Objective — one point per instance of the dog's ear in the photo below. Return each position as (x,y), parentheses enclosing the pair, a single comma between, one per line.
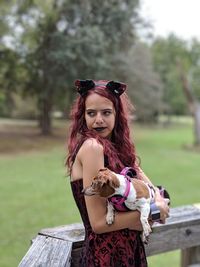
(114,181)
(106,190)
(103,169)
(107,174)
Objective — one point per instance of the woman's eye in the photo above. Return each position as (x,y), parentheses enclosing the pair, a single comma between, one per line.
(91,113)
(107,113)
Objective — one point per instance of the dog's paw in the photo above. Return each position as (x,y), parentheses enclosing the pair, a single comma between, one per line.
(109,219)
(145,238)
(146,233)
(110,213)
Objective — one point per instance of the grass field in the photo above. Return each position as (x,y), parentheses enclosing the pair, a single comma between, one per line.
(35,190)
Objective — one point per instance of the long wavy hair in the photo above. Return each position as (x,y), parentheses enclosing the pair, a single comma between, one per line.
(119,150)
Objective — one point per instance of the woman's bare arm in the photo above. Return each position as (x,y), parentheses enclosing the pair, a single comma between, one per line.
(91,157)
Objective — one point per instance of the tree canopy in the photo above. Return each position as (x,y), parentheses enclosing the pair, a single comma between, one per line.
(67,40)
(46,45)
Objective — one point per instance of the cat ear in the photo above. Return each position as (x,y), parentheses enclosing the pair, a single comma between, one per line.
(116,88)
(82,86)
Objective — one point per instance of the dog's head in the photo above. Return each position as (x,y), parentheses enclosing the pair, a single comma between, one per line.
(103,184)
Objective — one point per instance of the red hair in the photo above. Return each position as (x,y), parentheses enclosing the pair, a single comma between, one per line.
(119,151)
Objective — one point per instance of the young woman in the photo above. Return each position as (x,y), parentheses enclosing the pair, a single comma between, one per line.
(100,137)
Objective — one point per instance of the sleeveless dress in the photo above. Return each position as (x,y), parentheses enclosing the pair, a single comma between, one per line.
(122,248)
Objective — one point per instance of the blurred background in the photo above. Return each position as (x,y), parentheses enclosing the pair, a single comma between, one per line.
(153,46)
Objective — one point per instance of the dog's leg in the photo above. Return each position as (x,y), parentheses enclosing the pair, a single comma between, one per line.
(144,214)
(110,213)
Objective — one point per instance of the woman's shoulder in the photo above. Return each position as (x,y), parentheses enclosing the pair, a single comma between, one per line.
(90,145)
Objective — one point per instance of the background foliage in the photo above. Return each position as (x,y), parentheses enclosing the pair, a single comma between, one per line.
(45,46)
(57,42)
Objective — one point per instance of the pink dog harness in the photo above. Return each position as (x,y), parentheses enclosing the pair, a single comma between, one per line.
(118,201)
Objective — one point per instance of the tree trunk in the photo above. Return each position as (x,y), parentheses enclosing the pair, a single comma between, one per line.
(197,124)
(193,104)
(45,123)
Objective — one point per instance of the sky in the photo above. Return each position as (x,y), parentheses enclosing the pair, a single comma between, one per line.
(181,17)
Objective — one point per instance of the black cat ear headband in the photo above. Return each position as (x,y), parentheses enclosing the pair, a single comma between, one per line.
(83,86)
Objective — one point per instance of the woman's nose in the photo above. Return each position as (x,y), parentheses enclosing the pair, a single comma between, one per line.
(98,119)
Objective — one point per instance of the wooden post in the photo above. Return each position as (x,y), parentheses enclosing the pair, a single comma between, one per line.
(190,257)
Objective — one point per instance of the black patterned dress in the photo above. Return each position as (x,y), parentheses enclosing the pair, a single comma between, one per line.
(122,248)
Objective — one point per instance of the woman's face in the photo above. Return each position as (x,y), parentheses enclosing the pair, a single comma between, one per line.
(100,115)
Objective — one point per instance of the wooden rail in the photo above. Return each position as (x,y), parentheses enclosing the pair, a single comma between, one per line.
(60,246)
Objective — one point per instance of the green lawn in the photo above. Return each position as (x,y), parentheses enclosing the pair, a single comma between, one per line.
(166,160)
(35,190)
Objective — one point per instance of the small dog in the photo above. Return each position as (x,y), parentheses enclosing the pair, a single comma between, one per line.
(132,194)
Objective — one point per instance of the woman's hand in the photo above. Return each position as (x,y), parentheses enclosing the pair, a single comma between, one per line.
(162,204)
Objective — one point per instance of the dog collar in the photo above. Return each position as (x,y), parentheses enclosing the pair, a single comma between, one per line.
(128,171)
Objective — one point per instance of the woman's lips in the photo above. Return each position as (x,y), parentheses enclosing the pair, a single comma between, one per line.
(99,129)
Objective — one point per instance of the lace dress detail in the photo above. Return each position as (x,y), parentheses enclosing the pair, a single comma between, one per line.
(122,248)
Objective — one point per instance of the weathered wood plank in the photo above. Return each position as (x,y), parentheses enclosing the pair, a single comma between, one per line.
(180,231)
(179,216)
(48,252)
(176,238)
(55,246)
(71,232)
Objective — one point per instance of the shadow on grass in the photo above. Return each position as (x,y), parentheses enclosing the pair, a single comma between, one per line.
(18,136)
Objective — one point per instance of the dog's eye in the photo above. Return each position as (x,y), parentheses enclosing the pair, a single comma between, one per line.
(94,184)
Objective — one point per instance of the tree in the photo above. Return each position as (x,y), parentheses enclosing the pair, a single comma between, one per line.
(144,84)
(178,63)
(9,61)
(72,39)
(9,77)
(165,53)
(191,87)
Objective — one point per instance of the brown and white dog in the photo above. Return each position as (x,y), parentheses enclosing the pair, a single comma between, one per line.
(138,195)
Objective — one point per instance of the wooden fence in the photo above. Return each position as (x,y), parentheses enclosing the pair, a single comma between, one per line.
(60,246)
